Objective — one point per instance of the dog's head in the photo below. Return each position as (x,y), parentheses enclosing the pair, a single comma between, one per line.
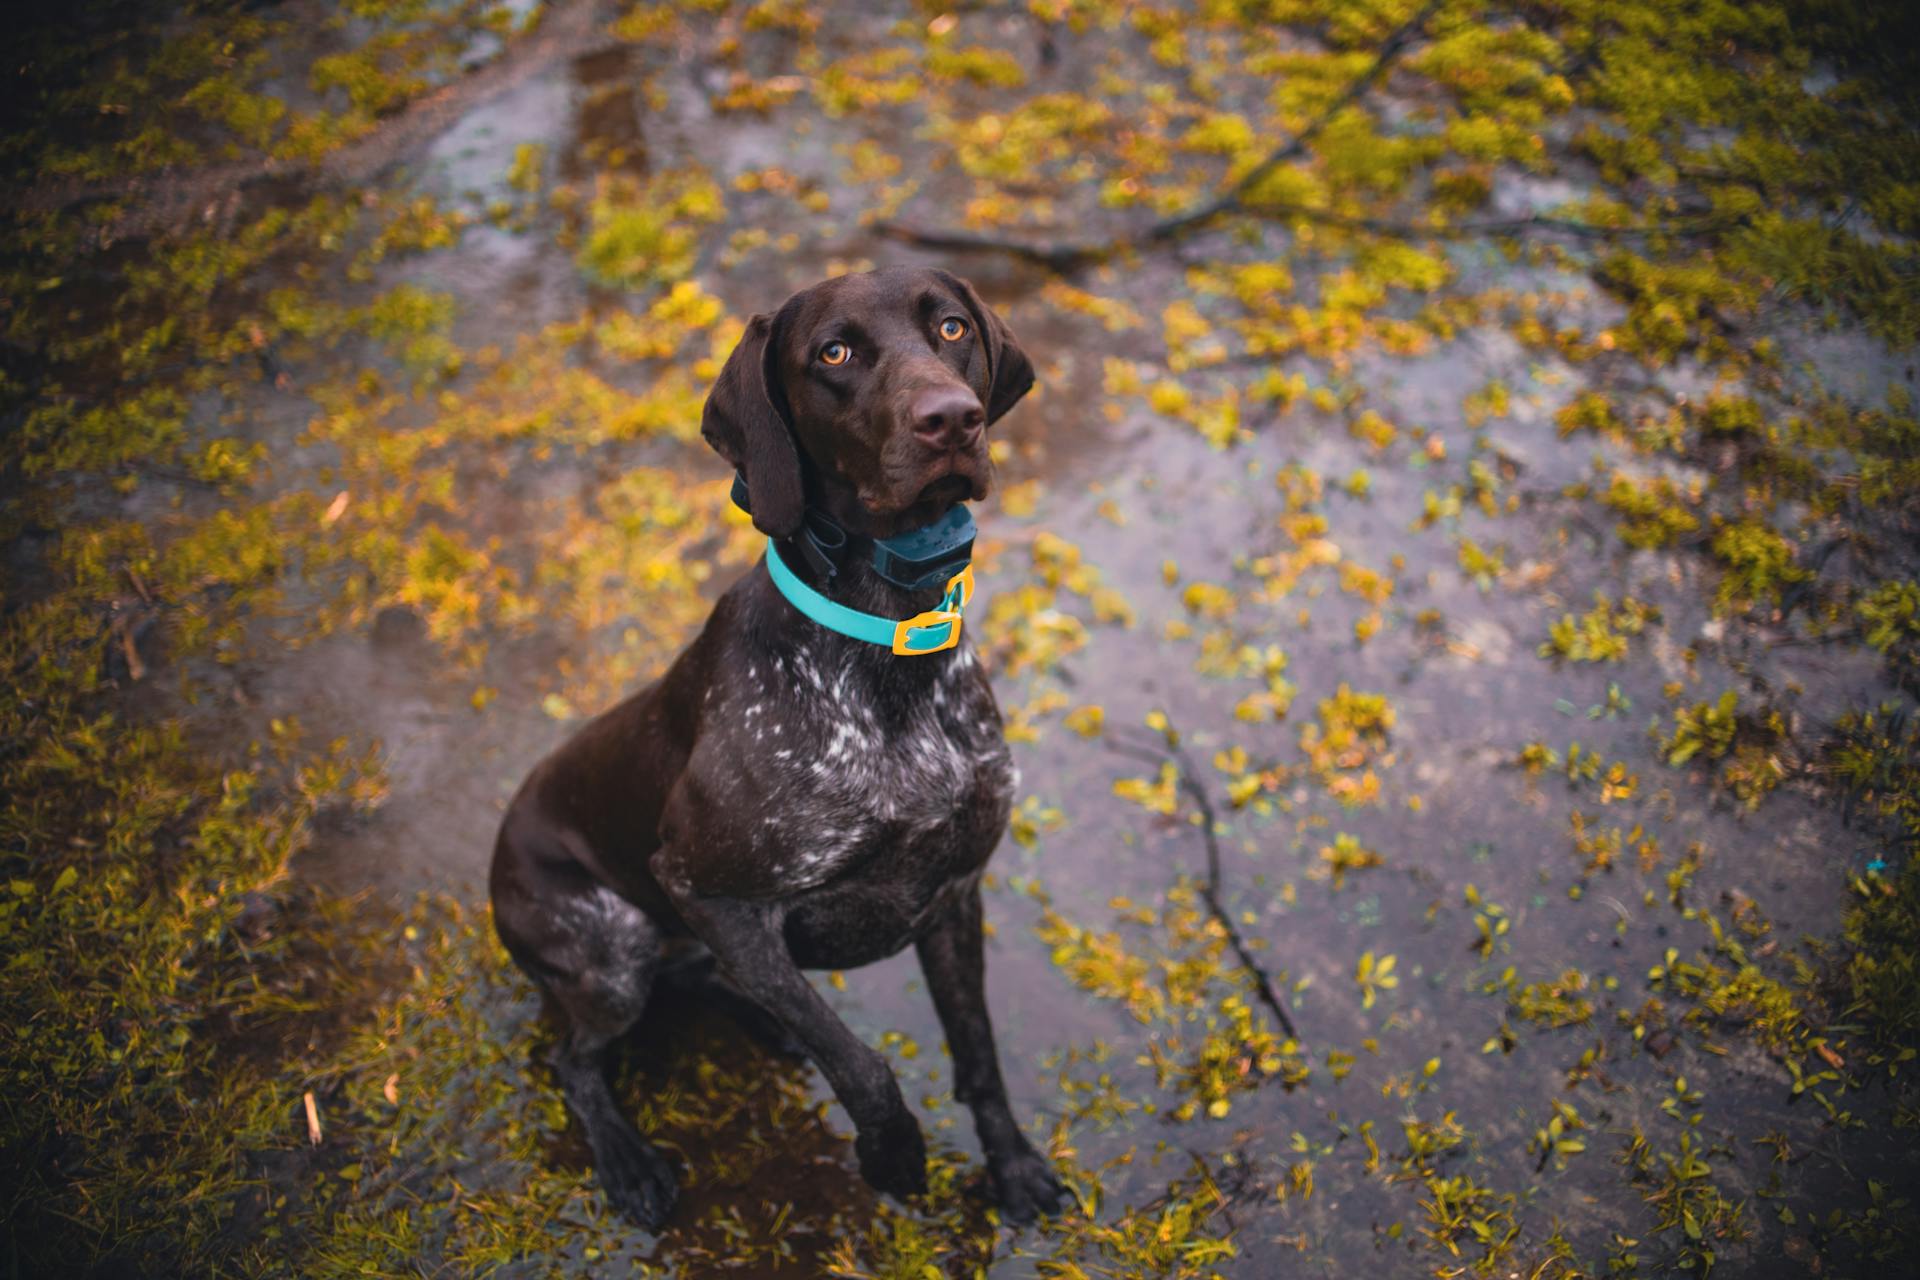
(868,395)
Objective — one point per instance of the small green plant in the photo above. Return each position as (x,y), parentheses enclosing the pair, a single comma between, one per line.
(1374,975)
(1759,564)
(1491,923)
(1692,1211)
(1601,634)
(1704,727)
(1461,1211)
(1731,416)
(1558,1138)
(1589,411)
(1874,756)
(1482,567)
(1748,744)
(1890,620)
(1343,856)
(647,232)
(1655,513)
(1561,1002)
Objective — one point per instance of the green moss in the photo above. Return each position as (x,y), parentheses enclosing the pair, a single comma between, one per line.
(1601,634)
(1589,411)
(647,233)
(991,68)
(1759,565)
(1658,512)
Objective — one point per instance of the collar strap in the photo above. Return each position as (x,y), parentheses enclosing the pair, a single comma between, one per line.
(924,633)
(914,561)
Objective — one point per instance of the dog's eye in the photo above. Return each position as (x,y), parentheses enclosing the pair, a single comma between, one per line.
(953,329)
(836,353)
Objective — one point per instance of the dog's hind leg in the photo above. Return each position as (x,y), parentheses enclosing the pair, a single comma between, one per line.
(599,964)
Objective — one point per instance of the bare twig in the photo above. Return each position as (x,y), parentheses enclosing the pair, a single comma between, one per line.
(1061,257)
(1505,226)
(1189,782)
(1067,256)
(1395,45)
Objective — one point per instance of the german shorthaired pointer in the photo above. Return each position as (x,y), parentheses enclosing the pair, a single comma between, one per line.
(789,796)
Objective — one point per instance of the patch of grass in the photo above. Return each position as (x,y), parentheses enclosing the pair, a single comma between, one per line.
(1695,1216)
(157,953)
(1881,974)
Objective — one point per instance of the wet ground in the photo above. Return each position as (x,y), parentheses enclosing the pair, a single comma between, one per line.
(1476,886)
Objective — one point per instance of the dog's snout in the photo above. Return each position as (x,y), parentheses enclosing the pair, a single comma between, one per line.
(947,417)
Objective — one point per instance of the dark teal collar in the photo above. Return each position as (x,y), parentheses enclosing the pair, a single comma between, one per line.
(924,633)
(917,561)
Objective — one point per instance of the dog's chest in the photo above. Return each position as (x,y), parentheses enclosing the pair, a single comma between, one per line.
(841,775)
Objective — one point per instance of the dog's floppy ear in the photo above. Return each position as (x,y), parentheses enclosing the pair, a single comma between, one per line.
(1009,372)
(745,420)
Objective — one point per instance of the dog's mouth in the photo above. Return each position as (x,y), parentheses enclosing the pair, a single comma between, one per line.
(927,492)
(947,490)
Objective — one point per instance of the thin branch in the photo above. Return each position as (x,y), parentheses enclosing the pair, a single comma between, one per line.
(1061,257)
(1505,226)
(1189,782)
(1396,44)
(1066,256)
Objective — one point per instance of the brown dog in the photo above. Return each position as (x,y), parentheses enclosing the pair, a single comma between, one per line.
(787,797)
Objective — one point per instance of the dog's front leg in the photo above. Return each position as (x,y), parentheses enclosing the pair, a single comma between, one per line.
(952,955)
(745,937)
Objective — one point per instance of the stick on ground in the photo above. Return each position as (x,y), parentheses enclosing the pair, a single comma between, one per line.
(1189,782)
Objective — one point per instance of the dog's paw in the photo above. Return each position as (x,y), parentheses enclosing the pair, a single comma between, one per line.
(637,1178)
(893,1156)
(1024,1185)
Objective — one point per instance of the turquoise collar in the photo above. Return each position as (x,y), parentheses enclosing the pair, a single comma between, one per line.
(928,632)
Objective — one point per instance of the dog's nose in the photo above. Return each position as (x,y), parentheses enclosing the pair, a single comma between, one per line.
(947,417)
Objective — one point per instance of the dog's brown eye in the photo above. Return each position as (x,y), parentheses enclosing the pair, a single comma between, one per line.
(953,329)
(836,353)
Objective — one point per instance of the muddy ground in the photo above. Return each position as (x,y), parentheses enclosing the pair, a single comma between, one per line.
(1295,543)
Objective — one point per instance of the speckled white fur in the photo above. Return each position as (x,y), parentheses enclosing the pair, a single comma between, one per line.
(849,781)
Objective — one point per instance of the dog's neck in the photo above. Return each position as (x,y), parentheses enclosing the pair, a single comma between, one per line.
(858,586)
